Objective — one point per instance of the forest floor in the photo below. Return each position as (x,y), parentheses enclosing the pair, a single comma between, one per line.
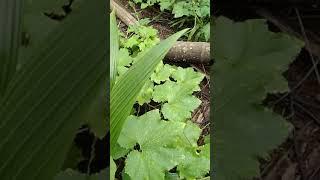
(160,21)
(298,158)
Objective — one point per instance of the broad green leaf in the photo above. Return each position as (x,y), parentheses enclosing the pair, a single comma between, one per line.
(156,132)
(114,48)
(155,156)
(132,41)
(166,4)
(151,164)
(181,9)
(188,77)
(97,110)
(178,104)
(124,61)
(196,165)
(73,157)
(180,110)
(113,169)
(191,134)
(249,64)
(172,176)
(127,88)
(146,92)
(36,28)
(10,30)
(70,174)
(161,146)
(162,73)
(45,103)
(39,6)
(36,25)
(119,152)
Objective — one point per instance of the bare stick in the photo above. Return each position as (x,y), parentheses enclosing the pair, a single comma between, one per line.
(195,52)
(123,14)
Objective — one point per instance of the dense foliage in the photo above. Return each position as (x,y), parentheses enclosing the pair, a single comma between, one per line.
(197,11)
(162,138)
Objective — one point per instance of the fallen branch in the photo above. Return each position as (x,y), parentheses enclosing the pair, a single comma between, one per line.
(190,52)
(123,14)
(195,52)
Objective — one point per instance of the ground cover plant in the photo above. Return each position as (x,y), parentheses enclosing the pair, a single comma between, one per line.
(158,140)
(184,11)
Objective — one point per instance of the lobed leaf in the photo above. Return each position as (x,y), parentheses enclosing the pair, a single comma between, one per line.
(179,103)
(154,156)
(249,64)
(161,146)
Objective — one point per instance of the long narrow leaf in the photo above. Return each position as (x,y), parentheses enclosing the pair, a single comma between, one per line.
(125,91)
(114,48)
(10,22)
(44,104)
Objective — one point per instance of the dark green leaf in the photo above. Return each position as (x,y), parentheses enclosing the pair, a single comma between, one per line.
(249,64)
(70,174)
(114,48)
(10,22)
(45,103)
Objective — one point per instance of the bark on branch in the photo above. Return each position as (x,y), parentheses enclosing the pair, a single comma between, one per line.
(190,52)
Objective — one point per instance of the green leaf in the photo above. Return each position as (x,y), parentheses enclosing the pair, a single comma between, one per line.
(113,169)
(244,72)
(126,90)
(39,6)
(151,164)
(178,103)
(181,9)
(114,49)
(124,61)
(145,94)
(166,4)
(73,157)
(188,78)
(97,111)
(172,176)
(153,129)
(161,146)
(196,165)
(162,73)
(132,41)
(37,26)
(191,134)
(45,102)
(204,8)
(10,30)
(119,151)
(204,33)
(70,174)
(153,141)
